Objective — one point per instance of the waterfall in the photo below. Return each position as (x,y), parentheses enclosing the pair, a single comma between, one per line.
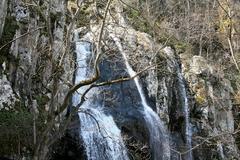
(159,141)
(188,130)
(220,150)
(184,98)
(100,135)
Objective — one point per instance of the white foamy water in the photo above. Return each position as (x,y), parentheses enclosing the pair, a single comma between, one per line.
(101,136)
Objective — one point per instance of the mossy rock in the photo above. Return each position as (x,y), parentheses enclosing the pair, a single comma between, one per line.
(9,31)
(200,99)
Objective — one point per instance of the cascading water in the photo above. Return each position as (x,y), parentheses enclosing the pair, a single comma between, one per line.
(101,137)
(188,130)
(220,150)
(159,139)
(183,92)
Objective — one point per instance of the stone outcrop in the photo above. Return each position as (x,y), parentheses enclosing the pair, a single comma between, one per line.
(212,115)
(26,69)
(7,97)
(27,65)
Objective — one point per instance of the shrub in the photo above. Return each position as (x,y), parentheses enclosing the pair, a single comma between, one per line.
(16,131)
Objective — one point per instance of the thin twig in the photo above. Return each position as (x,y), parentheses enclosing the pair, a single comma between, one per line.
(21,36)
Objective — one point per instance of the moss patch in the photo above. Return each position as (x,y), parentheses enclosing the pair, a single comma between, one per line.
(16,131)
(9,31)
(135,18)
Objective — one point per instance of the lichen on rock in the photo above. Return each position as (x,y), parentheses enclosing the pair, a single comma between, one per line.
(7,96)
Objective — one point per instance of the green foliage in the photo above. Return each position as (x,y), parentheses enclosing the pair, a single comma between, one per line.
(83,19)
(16,126)
(42,100)
(178,45)
(200,99)
(137,21)
(16,131)
(181,47)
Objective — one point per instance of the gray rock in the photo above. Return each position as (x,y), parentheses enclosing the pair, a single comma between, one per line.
(3,13)
(212,96)
(7,97)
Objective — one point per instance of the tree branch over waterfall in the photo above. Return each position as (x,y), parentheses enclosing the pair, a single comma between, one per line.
(44,138)
(96,67)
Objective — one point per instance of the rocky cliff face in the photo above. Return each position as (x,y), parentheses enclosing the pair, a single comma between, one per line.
(213,115)
(3,15)
(191,96)
(27,65)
